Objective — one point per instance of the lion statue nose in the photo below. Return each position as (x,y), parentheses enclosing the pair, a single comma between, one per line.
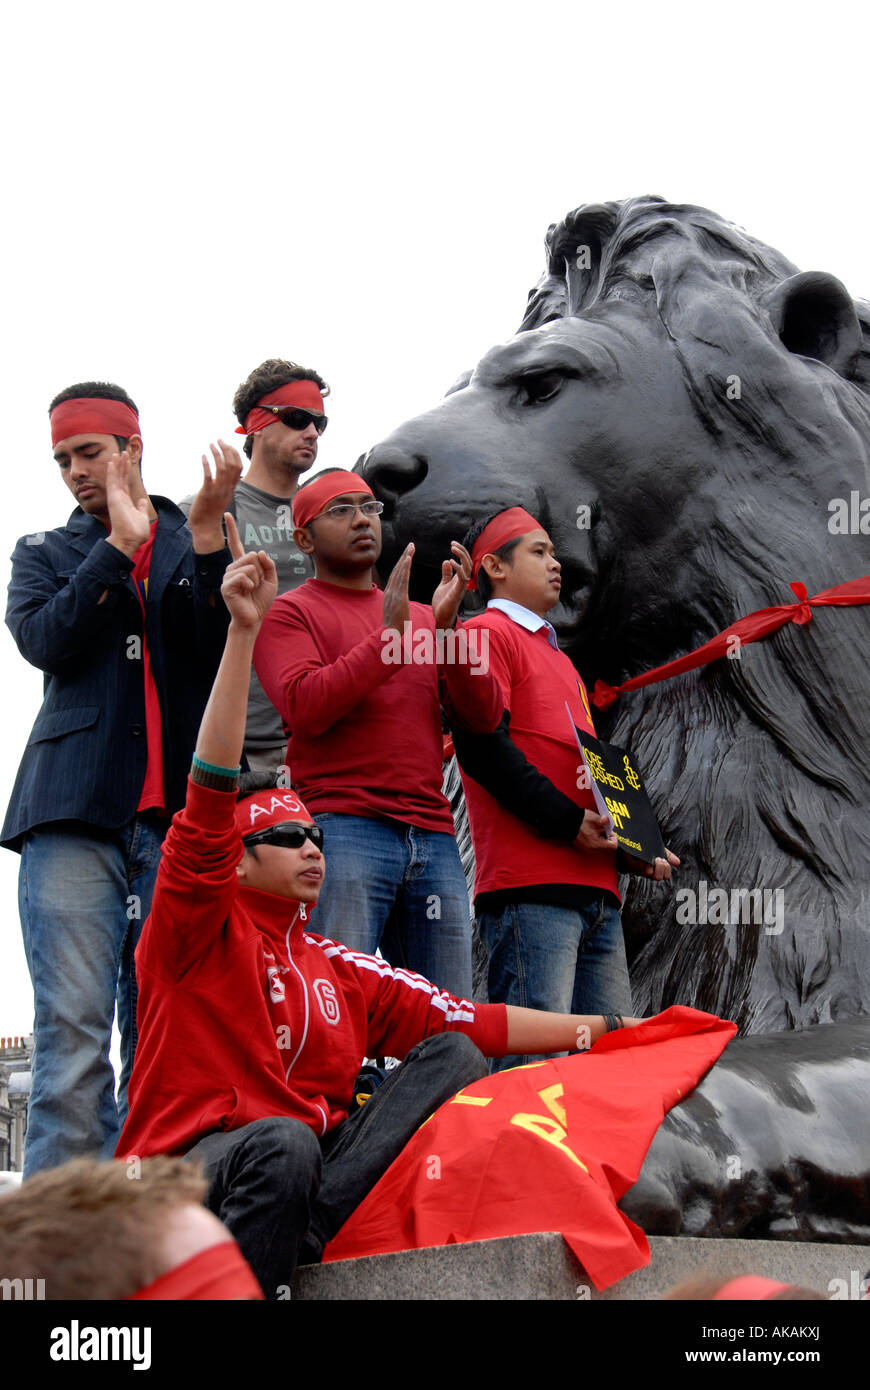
(392,471)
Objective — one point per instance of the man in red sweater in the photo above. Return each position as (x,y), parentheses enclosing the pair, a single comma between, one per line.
(252,1030)
(358,677)
(546,891)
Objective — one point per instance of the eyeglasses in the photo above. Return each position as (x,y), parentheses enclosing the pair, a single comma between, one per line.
(287,835)
(297,418)
(345,510)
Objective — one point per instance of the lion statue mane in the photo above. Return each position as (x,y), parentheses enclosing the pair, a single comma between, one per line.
(688,416)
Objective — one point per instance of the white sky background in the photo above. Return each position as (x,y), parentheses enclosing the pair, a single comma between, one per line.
(191,188)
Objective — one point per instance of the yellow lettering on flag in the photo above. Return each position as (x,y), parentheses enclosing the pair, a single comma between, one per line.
(548,1129)
(460,1099)
(552,1098)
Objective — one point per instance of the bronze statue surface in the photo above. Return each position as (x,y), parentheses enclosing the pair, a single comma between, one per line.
(682,410)
(689,417)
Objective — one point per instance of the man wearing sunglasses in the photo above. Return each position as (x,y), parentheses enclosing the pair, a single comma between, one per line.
(280,410)
(252,1030)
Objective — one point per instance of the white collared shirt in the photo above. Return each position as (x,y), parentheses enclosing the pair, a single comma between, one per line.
(524,617)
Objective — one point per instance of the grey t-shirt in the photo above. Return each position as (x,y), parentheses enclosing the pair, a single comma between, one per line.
(265,523)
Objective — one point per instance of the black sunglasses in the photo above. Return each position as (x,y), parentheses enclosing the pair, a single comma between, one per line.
(296,417)
(287,835)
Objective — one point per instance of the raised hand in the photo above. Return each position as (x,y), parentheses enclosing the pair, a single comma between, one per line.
(455,574)
(250,582)
(213,498)
(129,522)
(397,605)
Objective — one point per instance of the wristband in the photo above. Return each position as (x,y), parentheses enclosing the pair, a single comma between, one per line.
(201,766)
(216,779)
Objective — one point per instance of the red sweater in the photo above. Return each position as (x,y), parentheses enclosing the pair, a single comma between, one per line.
(365,732)
(243,1014)
(535,682)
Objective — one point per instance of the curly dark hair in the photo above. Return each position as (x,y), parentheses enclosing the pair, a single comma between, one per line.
(484,584)
(102,390)
(271,374)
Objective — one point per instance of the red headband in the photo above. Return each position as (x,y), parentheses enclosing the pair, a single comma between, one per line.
(221,1272)
(92,415)
(507,526)
(749,1286)
(310,501)
(260,810)
(303,393)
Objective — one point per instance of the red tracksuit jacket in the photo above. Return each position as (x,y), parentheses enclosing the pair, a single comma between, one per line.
(244,1014)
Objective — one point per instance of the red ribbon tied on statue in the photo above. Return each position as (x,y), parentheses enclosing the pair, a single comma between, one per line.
(748,629)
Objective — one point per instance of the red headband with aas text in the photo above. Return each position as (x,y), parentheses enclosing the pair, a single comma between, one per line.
(263,809)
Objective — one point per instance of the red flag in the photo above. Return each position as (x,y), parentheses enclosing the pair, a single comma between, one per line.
(547,1147)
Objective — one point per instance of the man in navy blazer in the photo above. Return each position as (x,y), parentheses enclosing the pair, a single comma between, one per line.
(121,609)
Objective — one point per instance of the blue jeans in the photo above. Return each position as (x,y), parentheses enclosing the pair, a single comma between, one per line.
(393,886)
(564,959)
(83,894)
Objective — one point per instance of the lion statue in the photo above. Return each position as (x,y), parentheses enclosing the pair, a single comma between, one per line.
(689,417)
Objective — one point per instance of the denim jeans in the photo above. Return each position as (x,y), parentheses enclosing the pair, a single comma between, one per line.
(564,959)
(83,894)
(284,1193)
(402,889)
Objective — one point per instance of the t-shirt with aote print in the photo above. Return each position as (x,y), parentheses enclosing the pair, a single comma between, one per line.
(265,523)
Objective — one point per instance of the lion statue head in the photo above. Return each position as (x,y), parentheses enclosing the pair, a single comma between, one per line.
(689,418)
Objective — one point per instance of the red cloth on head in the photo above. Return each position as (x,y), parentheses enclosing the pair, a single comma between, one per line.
(221,1272)
(749,1286)
(92,415)
(505,527)
(310,500)
(270,807)
(305,394)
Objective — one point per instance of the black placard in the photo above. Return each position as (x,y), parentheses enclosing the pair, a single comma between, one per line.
(619,793)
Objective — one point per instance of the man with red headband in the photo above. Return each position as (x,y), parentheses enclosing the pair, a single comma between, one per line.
(546,893)
(347,667)
(121,610)
(253,1029)
(109,1231)
(280,410)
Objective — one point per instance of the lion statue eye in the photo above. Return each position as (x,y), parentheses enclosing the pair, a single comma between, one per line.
(542,386)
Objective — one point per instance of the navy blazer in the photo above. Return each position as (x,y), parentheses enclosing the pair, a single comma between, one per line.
(86,756)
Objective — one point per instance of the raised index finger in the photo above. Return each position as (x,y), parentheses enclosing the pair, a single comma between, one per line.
(234,540)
